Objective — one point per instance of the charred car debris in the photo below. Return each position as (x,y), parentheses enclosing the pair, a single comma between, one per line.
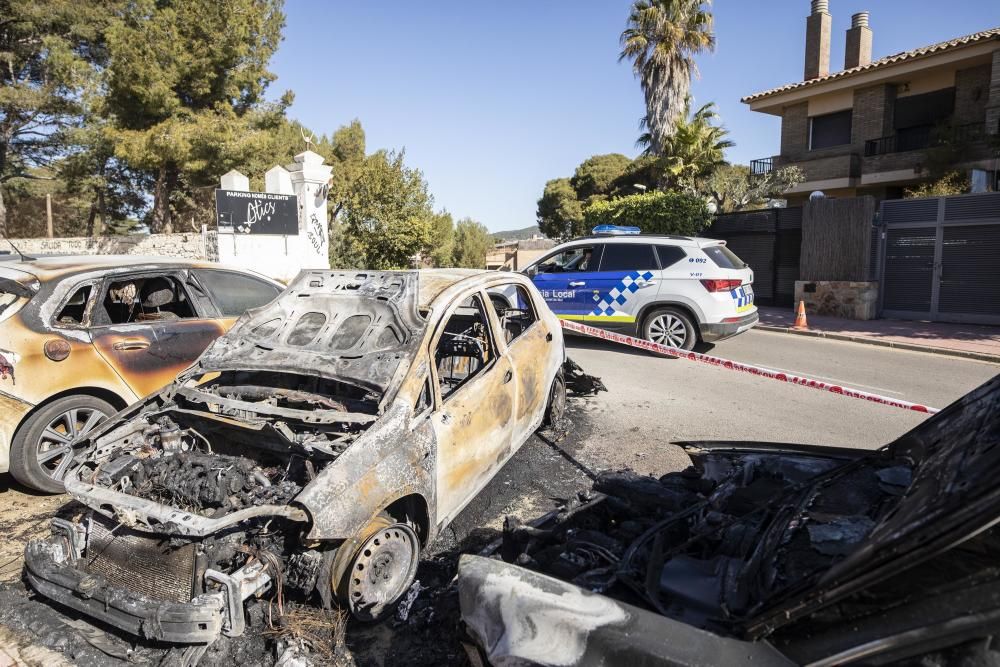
(310,453)
(775,554)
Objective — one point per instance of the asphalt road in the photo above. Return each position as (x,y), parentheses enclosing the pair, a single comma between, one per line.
(653,402)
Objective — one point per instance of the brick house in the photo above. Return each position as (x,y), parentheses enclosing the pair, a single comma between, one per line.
(874,127)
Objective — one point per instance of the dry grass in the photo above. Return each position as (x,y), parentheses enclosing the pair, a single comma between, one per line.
(323,630)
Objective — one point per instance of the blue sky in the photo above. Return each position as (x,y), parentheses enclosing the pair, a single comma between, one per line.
(492,99)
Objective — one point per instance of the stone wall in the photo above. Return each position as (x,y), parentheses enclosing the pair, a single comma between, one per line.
(185,246)
(853,300)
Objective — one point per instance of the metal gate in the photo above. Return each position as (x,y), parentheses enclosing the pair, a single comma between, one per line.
(939,258)
(770,242)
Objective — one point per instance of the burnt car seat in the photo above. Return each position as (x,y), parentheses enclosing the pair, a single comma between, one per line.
(158,299)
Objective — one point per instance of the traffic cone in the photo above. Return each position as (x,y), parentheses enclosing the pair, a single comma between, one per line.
(800,317)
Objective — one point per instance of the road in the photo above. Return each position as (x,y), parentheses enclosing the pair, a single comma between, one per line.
(652,402)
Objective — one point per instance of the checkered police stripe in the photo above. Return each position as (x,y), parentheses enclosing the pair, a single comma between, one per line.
(619,293)
(759,371)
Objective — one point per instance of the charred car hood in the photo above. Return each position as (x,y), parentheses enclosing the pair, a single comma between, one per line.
(357,327)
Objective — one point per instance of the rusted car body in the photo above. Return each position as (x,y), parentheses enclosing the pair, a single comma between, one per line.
(765,554)
(312,451)
(83,337)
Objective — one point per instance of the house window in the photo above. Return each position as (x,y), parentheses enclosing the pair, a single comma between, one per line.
(832,129)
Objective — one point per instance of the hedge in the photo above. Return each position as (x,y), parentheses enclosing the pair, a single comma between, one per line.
(652,212)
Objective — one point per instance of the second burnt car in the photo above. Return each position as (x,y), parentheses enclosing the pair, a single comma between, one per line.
(312,451)
(767,554)
(82,337)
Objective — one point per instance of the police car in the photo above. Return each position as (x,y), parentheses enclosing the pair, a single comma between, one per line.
(673,290)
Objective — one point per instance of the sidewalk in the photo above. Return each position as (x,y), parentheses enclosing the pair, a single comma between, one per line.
(961,340)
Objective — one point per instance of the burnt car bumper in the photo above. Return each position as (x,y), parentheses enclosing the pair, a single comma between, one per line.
(49,570)
(715,332)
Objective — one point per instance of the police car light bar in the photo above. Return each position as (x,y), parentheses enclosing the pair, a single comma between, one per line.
(615,230)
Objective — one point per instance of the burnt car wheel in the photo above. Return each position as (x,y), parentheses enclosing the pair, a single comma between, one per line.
(42,446)
(382,569)
(557,401)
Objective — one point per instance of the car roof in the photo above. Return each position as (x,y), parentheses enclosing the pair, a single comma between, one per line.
(432,282)
(658,239)
(55,268)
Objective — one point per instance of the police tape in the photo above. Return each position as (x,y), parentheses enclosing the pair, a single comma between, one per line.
(759,371)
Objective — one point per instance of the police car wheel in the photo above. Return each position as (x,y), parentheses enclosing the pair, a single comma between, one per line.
(670,327)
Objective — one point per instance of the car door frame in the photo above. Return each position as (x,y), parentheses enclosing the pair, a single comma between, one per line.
(637,298)
(205,311)
(582,302)
(444,423)
(529,404)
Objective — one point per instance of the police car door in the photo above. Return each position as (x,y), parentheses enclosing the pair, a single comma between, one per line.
(626,281)
(565,280)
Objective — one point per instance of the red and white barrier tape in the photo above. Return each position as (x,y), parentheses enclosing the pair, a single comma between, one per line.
(760,371)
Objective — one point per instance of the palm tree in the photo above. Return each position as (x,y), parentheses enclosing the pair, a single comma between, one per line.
(696,147)
(661,40)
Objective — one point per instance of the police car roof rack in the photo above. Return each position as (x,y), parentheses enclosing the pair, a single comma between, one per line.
(615,230)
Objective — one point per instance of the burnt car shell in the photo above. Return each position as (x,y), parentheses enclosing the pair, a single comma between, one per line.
(266,462)
(780,554)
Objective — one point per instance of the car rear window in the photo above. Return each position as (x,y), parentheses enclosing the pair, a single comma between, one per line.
(670,255)
(723,257)
(628,257)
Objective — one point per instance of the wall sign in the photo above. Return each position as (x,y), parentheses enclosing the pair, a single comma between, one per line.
(242,212)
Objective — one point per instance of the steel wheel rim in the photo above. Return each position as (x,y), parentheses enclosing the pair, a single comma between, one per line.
(383,570)
(668,330)
(558,400)
(56,442)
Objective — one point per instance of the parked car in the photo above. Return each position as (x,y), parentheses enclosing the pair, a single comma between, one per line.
(83,337)
(673,290)
(764,554)
(313,450)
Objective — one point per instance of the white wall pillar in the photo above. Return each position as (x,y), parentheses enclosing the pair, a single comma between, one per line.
(278,181)
(234,180)
(309,177)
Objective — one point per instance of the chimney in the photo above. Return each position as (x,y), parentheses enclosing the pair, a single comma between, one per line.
(818,40)
(859,42)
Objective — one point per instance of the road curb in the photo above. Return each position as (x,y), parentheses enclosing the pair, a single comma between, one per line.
(929,349)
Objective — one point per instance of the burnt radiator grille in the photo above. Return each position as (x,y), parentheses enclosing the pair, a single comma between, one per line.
(139,562)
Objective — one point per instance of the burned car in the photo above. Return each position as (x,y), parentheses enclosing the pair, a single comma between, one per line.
(312,451)
(764,553)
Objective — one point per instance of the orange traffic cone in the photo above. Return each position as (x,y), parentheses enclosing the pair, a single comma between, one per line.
(800,317)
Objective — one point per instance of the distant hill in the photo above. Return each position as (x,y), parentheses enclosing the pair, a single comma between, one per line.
(515,234)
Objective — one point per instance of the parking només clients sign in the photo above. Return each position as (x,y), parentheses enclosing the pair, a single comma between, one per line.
(241,212)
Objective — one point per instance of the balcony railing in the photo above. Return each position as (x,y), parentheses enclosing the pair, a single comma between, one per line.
(761,167)
(924,137)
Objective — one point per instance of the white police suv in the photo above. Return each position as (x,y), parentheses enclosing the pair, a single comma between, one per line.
(674,290)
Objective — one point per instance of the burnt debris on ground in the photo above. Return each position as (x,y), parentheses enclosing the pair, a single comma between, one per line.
(579,382)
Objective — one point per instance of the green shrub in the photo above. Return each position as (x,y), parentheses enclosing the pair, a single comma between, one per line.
(652,212)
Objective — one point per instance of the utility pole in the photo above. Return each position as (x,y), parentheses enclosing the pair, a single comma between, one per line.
(48,213)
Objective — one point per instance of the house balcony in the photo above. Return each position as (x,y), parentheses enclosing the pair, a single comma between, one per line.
(922,138)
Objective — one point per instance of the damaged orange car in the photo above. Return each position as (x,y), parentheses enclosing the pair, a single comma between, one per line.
(310,453)
(83,337)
